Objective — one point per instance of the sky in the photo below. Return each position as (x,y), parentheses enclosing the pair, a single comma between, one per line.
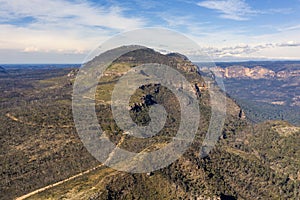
(65,31)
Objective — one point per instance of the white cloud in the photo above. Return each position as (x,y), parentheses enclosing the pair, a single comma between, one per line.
(31,49)
(279,11)
(229,9)
(239,9)
(289,28)
(289,44)
(78,13)
(254,51)
(175,20)
(60,25)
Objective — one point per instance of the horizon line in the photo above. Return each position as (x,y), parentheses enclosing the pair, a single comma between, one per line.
(221,61)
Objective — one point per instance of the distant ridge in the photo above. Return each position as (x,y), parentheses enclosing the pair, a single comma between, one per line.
(2,70)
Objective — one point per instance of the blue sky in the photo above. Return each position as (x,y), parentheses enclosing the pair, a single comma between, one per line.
(64,31)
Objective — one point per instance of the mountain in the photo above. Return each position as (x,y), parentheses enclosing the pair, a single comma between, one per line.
(42,155)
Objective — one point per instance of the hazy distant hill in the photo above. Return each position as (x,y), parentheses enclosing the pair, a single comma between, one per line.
(40,145)
(38,66)
(2,70)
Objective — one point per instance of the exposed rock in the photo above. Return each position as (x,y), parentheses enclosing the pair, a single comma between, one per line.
(242,114)
(73,73)
(258,72)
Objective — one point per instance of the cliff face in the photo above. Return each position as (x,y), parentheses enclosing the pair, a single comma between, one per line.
(258,72)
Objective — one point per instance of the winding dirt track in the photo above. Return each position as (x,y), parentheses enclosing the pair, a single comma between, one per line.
(12,117)
(58,183)
(70,178)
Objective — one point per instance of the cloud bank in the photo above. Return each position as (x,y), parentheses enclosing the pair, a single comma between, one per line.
(60,26)
(230,9)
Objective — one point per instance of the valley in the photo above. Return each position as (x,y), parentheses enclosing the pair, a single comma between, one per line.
(265,90)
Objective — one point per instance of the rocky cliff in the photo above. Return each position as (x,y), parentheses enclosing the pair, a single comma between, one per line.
(257,72)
